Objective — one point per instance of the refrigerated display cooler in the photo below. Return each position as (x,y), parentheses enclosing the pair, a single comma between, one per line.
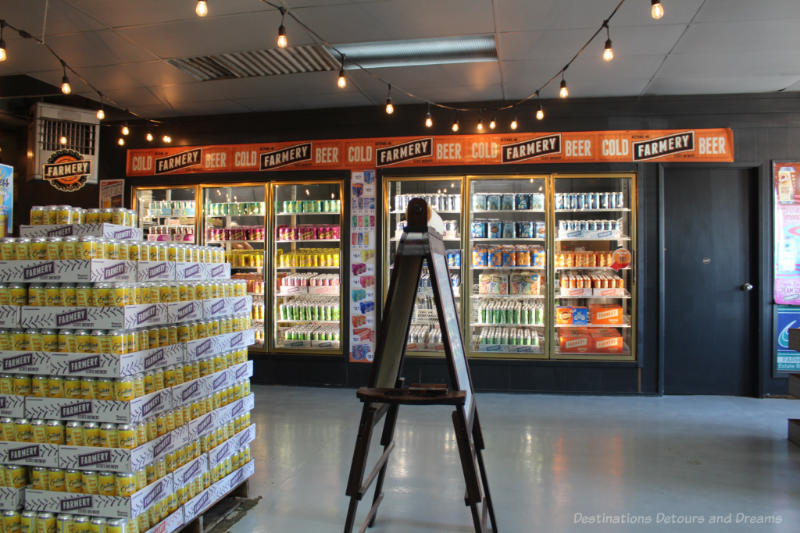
(167,213)
(306,267)
(444,195)
(234,218)
(548,266)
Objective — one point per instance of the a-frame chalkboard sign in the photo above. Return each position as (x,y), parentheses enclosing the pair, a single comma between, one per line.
(386,391)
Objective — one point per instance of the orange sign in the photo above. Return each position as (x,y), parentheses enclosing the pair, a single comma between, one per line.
(626,146)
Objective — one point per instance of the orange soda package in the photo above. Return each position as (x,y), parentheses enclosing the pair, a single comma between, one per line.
(563,314)
(606,340)
(574,340)
(605,314)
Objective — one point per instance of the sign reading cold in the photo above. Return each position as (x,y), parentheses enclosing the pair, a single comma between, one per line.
(625,146)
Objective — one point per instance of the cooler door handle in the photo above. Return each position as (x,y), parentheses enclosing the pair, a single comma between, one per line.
(747,287)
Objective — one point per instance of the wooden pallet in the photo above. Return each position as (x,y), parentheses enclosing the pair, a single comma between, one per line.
(200,525)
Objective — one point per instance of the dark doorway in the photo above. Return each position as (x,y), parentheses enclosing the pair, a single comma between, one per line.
(711,248)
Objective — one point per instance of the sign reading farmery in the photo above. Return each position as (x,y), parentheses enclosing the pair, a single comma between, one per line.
(362,265)
(786,191)
(67,170)
(622,146)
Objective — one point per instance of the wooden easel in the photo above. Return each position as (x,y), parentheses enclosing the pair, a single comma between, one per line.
(386,391)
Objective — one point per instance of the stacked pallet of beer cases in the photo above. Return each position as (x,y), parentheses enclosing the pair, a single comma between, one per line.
(128,408)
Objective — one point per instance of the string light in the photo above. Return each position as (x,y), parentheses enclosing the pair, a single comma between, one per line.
(540,113)
(125,129)
(201,8)
(480,126)
(514,124)
(428,118)
(389,106)
(167,139)
(3,55)
(283,42)
(66,88)
(492,124)
(563,92)
(121,141)
(608,51)
(342,81)
(149,137)
(62,140)
(101,114)
(656,9)
(455,127)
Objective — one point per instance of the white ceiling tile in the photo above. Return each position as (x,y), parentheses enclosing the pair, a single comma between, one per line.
(343,23)
(701,64)
(751,36)
(98,48)
(26,55)
(747,10)
(146,12)
(720,85)
(416,19)
(159,72)
(62,18)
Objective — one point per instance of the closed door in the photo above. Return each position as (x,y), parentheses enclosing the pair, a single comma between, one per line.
(709,273)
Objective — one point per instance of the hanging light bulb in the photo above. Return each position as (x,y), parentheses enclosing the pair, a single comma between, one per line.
(3,55)
(201,8)
(656,9)
(66,88)
(121,141)
(101,114)
(62,140)
(514,124)
(492,124)
(455,127)
(389,106)
(563,92)
(428,118)
(125,129)
(480,126)
(540,113)
(149,137)
(342,81)
(608,51)
(167,139)
(283,42)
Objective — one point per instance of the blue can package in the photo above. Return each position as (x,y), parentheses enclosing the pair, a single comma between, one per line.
(479,202)
(495,229)
(507,202)
(525,230)
(523,201)
(540,230)
(478,230)
(508,230)
(580,316)
(493,202)
(366,306)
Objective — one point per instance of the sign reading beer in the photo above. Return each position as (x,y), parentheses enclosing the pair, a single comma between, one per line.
(67,170)
(623,146)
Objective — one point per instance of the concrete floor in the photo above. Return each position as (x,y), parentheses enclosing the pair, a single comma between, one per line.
(548,459)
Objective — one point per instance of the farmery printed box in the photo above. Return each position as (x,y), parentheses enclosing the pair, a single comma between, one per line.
(215,270)
(45,501)
(191,391)
(574,340)
(188,472)
(114,412)
(11,499)
(105,459)
(109,231)
(123,317)
(155,270)
(9,316)
(225,485)
(29,454)
(12,405)
(169,524)
(17,362)
(114,365)
(606,340)
(229,447)
(185,311)
(605,314)
(67,271)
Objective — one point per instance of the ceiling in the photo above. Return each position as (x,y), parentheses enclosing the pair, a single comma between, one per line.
(699,47)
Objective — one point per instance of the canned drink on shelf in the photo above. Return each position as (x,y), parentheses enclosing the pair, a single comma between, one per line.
(106,484)
(73,432)
(92,435)
(88,387)
(104,389)
(68,294)
(18,294)
(74,481)
(39,431)
(89,482)
(57,479)
(54,430)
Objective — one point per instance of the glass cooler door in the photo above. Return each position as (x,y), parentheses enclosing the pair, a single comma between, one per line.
(444,195)
(507,266)
(234,218)
(167,213)
(594,251)
(306,264)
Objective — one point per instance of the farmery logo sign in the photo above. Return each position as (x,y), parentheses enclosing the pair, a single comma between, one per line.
(67,170)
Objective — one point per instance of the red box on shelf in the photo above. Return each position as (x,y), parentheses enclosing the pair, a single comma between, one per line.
(574,340)
(606,340)
(605,314)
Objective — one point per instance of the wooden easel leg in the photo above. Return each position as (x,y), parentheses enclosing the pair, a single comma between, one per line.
(466,453)
(386,441)
(479,447)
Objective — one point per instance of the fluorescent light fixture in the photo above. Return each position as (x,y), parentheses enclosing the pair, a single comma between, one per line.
(417,52)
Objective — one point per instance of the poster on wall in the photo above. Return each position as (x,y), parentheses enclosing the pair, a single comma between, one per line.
(362,266)
(6,200)
(786,201)
(112,193)
(786,318)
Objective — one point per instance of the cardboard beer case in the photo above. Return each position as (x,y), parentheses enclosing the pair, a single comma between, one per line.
(9,316)
(225,485)
(185,311)
(19,362)
(12,406)
(155,270)
(68,271)
(45,501)
(122,317)
(226,342)
(114,412)
(188,472)
(11,499)
(113,365)
(229,447)
(109,231)
(29,454)
(169,524)
(105,459)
